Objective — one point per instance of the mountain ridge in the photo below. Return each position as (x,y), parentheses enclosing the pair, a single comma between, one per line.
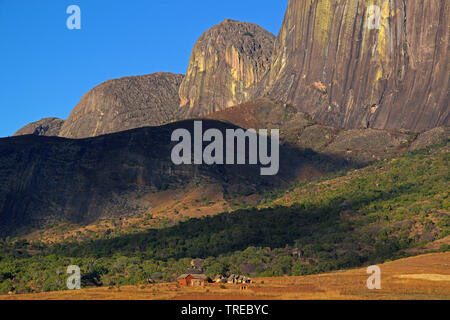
(325,62)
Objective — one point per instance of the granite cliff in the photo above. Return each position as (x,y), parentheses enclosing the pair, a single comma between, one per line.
(225,67)
(380,64)
(124,104)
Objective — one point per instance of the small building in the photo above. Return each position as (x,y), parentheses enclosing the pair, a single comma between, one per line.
(232,279)
(220,279)
(193,280)
(238,279)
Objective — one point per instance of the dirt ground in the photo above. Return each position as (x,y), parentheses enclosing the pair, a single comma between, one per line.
(421,277)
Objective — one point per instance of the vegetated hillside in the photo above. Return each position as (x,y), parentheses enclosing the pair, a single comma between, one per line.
(125,104)
(375,212)
(385,211)
(50,180)
(330,64)
(225,67)
(326,148)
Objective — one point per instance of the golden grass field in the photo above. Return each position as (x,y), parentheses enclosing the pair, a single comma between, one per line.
(421,277)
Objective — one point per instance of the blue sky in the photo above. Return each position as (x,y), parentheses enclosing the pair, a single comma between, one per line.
(45,68)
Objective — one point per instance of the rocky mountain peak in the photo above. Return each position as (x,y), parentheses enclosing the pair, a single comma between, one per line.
(125,104)
(380,64)
(226,65)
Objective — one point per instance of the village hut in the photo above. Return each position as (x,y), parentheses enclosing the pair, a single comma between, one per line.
(193,280)
(232,279)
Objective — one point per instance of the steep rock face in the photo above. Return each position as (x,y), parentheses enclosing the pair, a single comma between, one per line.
(124,104)
(337,61)
(45,127)
(226,64)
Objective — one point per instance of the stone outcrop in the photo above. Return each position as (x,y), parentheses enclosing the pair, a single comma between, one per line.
(353,66)
(44,127)
(432,137)
(124,104)
(226,65)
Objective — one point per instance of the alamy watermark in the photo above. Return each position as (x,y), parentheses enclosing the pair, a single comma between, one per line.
(374,281)
(374,17)
(74,280)
(74,20)
(235,148)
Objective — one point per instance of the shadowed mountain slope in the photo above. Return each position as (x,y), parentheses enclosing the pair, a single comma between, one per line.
(48,180)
